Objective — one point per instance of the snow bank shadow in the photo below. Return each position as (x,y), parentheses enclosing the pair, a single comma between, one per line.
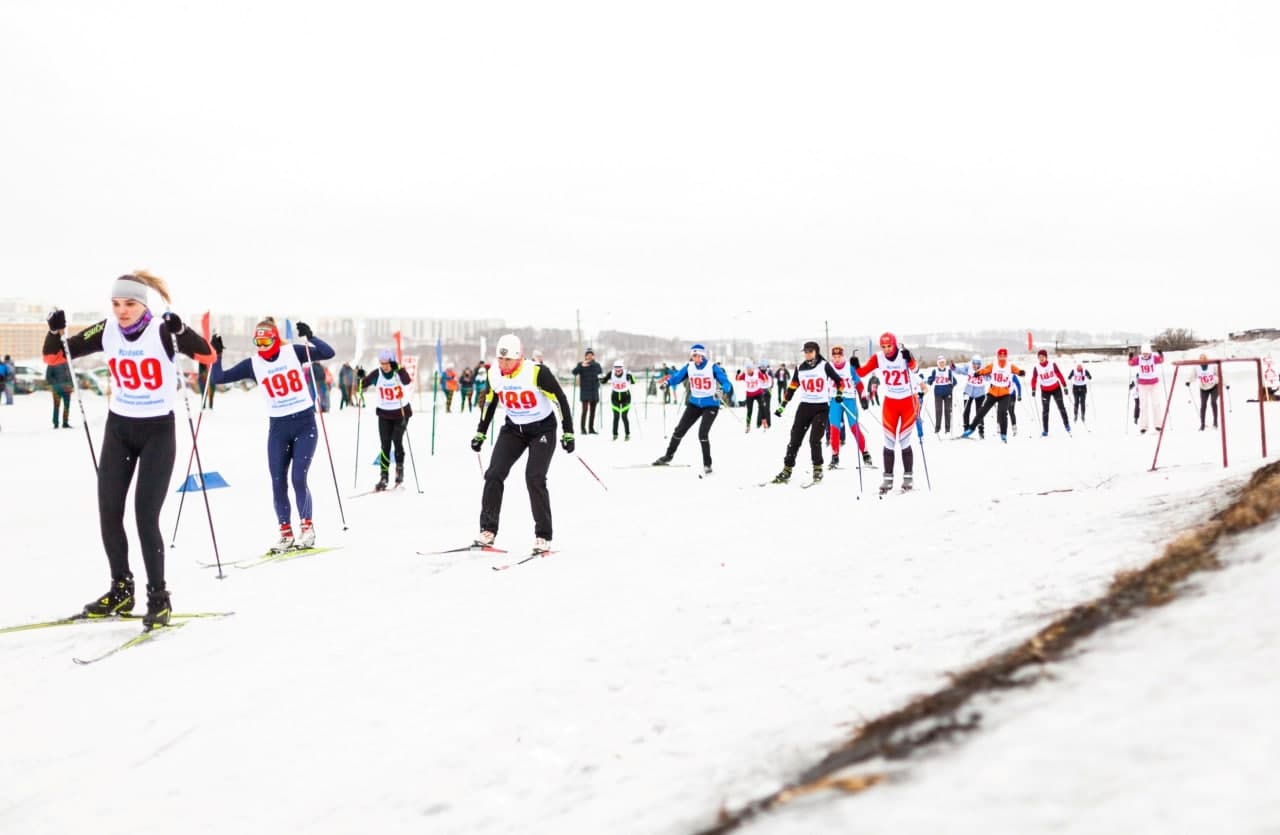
(941,715)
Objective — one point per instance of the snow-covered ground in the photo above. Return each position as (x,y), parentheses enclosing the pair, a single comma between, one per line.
(697,642)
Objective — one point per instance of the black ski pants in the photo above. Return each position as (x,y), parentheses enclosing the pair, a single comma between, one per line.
(976,403)
(1045,397)
(1002,403)
(755,400)
(704,416)
(941,410)
(1207,395)
(539,439)
(811,418)
(391,433)
(1078,395)
(620,402)
(146,446)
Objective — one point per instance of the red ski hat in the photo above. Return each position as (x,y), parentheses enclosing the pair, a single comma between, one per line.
(1042,353)
(888,342)
(1002,352)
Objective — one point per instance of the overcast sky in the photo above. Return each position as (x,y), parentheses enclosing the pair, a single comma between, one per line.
(684,168)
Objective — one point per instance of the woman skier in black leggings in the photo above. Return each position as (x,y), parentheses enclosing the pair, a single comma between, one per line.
(139,434)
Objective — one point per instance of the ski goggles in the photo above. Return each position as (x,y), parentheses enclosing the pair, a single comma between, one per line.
(265,337)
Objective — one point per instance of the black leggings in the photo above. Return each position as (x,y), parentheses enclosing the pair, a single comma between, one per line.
(540,440)
(1205,396)
(976,403)
(391,431)
(1045,398)
(621,405)
(148,446)
(811,418)
(1078,395)
(693,414)
(941,410)
(1002,403)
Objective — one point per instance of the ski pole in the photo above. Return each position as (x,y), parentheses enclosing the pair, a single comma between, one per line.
(409,441)
(480,464)
(593,472)
(204,396)
(355,476)
(306,347)
(195,450)
(857,453)
(75,386)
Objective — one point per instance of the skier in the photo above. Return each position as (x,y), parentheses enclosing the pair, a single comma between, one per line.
(291,434)
(975,392)
(813,378)
(530,393)
(392,384)
(1080,378)
(842,411)
(1016,398)
(1148,377)
(873,389)
(756,384)
(901,406)
(701,403)
(782,377)
(1207,377)
(1051,382)
(1001,374)
(763,419)
(943,379)
(620,383)
(139,433)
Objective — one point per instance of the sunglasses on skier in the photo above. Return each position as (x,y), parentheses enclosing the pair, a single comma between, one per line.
(837,353)
(264,338)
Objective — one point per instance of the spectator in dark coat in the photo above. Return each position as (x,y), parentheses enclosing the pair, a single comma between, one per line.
(589,373)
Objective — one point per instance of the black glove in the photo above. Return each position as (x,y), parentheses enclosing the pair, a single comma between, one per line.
(57,320)
(172,322)
(839,397)
(394,366)
(566,441)
(906,354)
(778,411)
(216,343)
(866,404)
(477,441)
(304,330)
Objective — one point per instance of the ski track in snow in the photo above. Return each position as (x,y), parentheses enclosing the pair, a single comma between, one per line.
(690,644)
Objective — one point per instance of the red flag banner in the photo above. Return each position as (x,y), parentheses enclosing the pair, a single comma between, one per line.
(399,348)
(1031,345)
(204,326)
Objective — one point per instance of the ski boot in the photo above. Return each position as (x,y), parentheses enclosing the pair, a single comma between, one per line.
(615,436)
(817,473)
(886,484)
(663,461)
(907,482)
(1004,439)
(484,540)
(306,535)
(1042,434)
(382,483)
(866,459)
(835,460)
(158,608)
(627,437)
(968,433)
(118,600)
(285,543)
(706,470)
(399,474)
(1015,430)
(541,546)
(782,477)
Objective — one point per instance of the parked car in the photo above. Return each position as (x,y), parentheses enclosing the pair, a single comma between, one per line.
(27,380)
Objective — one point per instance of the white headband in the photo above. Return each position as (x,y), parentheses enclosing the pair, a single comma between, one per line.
(127,287)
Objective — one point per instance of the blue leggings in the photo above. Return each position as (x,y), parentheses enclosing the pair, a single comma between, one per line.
(291,439)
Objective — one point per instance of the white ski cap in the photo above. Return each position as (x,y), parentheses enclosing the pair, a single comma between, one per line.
(509,347)
(1146,347)
(618,364)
